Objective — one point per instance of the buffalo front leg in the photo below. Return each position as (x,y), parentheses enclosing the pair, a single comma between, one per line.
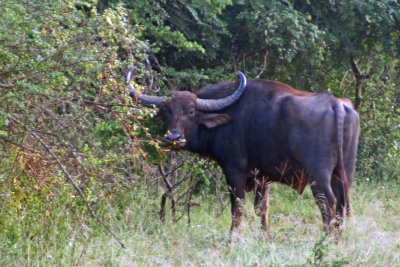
(237,201)
(261,203)
(237,185)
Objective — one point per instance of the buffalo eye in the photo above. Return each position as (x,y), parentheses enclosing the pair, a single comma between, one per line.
(191,112)
(165,112)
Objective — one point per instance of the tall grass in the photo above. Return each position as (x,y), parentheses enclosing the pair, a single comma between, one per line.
(371,237)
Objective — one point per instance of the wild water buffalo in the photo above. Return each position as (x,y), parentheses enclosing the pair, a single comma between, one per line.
(263,132)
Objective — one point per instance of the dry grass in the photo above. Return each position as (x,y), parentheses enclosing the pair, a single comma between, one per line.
(370,238)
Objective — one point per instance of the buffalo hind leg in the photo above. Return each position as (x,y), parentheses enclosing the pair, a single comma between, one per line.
(325,199)
(342,200)
(262,195)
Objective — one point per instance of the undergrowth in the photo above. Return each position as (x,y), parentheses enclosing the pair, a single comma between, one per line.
(370,237)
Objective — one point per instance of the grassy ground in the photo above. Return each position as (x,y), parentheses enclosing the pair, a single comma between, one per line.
(370,238)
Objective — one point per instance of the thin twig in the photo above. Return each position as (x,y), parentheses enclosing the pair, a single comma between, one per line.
(18,145)
(264,65)
(187,176)
(6,86)
(221,201)
(106,106)
(343,79)
(170,172)
(222,210)
(189,190)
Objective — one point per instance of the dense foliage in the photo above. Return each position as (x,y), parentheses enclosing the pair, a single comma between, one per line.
(64,113)
(66,118)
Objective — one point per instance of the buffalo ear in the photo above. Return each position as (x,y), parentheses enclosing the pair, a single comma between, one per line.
(211,120)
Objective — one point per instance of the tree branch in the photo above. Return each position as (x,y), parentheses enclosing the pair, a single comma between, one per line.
(6,86)
(264,65)
(106,106)
(359,77)
(355,67)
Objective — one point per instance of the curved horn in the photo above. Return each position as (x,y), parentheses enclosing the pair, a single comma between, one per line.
(218,104)
(143,99)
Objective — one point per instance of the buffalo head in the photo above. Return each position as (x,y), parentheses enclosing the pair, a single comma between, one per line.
(183,112)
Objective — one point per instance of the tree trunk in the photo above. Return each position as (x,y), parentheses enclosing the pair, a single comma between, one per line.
(359,78)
